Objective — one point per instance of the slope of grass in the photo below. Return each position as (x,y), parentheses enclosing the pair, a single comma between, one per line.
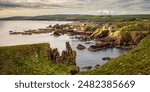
(28,59)
(78,17)
(137,61)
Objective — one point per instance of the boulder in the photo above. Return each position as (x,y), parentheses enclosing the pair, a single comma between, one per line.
(97,66)
(83,38)
(107,58)
(56,34)
(74,70)
(81,47)
(50,26)
(56,26)
(103,44)
(94,48)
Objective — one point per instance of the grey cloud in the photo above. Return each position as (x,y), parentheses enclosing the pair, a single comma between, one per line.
(40,4)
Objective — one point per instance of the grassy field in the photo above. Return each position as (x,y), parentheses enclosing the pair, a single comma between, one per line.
(137,61)
(28,59)
(78,17)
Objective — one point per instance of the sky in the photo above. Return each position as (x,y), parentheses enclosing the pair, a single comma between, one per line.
(93,7)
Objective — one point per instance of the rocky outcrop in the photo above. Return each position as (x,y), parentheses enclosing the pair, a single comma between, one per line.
(56,26)
(124,39)
(67,57)
(81,47)
(50,26)
(103,33)
(137,37)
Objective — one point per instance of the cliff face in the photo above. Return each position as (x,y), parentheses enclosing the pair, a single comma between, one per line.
(66,58)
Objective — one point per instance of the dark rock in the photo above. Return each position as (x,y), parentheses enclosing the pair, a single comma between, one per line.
(97,66)
(68,48)
(15,33)
(81,47)
(56,26)
(56,34)
(75,70)
(83,38)
(70,33)
(107,58)
(56,55)
(53,54)
(63,57)
(103,44)
(26,33)
(94,48)
(87,67)
(50,26)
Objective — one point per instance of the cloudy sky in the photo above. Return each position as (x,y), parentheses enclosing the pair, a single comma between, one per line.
(95,7)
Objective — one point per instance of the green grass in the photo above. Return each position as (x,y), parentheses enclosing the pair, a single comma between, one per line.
(136,61)
(28,60)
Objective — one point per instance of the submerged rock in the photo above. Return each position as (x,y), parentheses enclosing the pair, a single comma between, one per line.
(81,47)
(87,67)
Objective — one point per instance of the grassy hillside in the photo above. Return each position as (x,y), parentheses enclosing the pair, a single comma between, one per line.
(137,61)
(78,17)
(28,59)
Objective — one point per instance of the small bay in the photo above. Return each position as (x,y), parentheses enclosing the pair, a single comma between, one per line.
(84,57)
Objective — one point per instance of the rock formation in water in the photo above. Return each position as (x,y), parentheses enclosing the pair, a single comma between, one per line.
(81,47)
(66,58)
